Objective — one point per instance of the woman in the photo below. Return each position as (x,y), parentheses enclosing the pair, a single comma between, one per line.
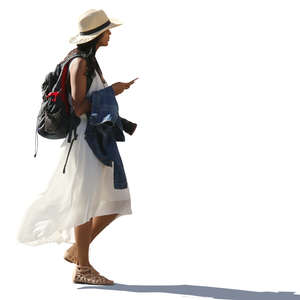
(78,205)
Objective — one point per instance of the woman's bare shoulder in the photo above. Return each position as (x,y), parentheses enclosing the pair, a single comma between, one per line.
(78,64)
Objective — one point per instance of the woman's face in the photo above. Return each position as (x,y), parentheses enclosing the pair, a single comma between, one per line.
(104,40)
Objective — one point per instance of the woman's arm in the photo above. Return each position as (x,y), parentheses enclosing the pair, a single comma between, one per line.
(78,82)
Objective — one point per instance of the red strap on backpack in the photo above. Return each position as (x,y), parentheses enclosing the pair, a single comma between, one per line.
(63,87)
(62,92)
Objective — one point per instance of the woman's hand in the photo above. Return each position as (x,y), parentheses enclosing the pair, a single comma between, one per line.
(119,87)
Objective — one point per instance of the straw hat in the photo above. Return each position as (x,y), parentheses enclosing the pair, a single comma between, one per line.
(91,24)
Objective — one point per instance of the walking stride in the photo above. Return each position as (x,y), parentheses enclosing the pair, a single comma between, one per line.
(88,189)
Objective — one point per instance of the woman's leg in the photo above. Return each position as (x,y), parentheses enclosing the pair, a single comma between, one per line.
(83,238)
(85,233)
(99,223)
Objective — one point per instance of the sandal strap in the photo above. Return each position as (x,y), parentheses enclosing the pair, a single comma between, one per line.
(83,268)
(86,274)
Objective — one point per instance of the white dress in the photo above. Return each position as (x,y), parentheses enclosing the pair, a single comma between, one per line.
(85,190)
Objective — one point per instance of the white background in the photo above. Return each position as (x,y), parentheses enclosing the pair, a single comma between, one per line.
(213,166)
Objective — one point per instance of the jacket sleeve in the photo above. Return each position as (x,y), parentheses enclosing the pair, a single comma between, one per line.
(128,127)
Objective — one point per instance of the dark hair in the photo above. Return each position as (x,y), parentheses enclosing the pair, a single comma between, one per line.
(89,49)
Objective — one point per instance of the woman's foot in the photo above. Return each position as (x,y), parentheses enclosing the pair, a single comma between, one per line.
(87,275)
(71,254)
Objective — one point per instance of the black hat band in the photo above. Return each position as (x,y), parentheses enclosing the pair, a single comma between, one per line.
(95,29)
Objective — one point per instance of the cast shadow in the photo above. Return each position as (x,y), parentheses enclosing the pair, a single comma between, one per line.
(196,290)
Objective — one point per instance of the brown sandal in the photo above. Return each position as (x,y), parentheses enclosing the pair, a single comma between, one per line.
(86,275)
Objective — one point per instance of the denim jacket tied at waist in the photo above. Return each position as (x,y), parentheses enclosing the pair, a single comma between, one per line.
(104,128)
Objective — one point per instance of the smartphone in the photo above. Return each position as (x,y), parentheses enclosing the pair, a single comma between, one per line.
(133,80)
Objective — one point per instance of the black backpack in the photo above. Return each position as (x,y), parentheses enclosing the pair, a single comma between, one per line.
(56,118)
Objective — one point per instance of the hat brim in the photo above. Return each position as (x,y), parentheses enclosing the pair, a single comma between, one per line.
(80,39)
